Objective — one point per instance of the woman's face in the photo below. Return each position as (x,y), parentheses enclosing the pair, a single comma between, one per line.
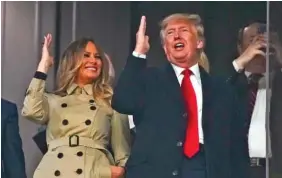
(91,65)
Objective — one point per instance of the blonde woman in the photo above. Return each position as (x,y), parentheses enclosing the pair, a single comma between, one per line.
(81,125)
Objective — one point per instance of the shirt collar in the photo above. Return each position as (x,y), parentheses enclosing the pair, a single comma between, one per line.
(195,70)
(86,88)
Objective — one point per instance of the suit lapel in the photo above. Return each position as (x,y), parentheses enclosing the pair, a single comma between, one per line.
(172,87)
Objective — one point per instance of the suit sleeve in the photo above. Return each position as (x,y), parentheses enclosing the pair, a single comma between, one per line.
(129,91)
(35,106)
(14,163)
(120,138)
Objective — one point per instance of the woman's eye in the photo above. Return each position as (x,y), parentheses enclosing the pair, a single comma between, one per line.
(98,57)
(86,55)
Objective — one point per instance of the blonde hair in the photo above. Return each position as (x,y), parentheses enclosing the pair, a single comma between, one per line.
(195,20)
(68,68)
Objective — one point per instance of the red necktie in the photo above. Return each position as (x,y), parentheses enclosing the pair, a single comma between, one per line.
(191,145)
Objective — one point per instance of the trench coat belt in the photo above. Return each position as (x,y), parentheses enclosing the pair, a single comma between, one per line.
(75,140)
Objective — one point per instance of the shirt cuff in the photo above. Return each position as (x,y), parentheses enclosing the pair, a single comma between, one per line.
(135,54)
(236,67)
(40,75)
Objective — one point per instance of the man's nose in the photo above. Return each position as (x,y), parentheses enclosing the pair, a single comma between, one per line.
(176,35)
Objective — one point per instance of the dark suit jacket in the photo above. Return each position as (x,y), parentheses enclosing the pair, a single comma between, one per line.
(275,117)
(40,140)
(12,156)
(154,96)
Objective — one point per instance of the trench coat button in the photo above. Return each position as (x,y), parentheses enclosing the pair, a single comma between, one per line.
(60,155)
(175,173)
(92,107)
(65,122)
(64,105)
(91,101)
(79,153)
(88,122)
(57,173)
(185,115)
(179,143)
(79,171)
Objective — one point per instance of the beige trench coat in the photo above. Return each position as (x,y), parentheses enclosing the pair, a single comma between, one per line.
(79,133)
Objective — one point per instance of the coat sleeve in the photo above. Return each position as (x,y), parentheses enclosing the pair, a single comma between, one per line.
(120,138)
(35,106)
(129,91)
(13,157)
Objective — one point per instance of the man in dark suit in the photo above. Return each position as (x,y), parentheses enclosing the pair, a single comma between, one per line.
(186,124)
(251,87)
(12,156)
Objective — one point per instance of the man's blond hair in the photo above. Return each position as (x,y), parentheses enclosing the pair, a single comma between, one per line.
(195,20)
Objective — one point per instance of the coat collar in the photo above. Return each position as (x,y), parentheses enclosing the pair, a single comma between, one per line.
(87,89)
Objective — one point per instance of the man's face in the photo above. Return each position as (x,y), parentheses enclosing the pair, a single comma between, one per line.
(181,43)
(257,65)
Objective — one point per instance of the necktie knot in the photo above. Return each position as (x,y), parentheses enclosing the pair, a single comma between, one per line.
(187,72)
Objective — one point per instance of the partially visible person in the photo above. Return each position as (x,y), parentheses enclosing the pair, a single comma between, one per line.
(185,118)
(40,139)
(251,86)
(81,125)
(12,156)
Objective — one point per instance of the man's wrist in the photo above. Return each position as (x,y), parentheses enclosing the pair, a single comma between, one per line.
(237,66)
(136,54)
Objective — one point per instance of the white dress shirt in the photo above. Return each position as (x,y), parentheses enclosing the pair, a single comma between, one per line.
(257,130)
(197,85)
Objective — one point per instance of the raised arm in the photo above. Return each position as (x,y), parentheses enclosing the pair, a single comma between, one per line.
(36,107)
(129,91)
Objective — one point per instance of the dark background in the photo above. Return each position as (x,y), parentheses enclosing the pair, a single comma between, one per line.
(113,26)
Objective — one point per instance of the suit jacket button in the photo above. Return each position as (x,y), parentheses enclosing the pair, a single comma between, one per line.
(91,101)
(179,143)
(57,173)
(175,173)
(64,105)
(79,171)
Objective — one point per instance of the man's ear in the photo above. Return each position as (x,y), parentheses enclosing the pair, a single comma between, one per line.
(165,49)
(200,44)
